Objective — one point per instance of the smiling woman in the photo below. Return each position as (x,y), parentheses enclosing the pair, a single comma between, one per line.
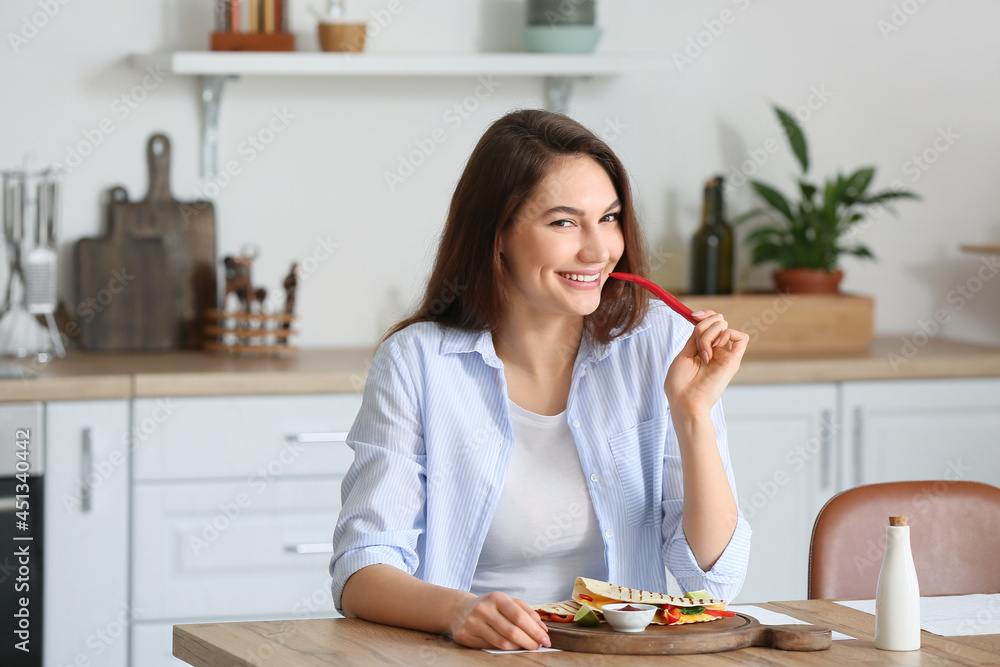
(541,422)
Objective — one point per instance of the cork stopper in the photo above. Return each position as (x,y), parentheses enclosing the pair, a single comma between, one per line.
(897,519)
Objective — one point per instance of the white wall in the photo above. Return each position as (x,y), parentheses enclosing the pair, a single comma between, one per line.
(324,175)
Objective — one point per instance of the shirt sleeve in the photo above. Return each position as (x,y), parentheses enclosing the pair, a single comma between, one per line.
(384,492)
(725,579)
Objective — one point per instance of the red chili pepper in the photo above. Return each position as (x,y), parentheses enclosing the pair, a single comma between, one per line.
(720,612)
(673,614)
(560,618)
(585,597)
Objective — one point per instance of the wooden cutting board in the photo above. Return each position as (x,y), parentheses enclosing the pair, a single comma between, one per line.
(726,634)
(187,231)
(122,295)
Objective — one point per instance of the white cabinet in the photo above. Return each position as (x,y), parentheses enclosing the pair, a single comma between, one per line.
(783,447)
(922,429)
(87,609)
(235,500)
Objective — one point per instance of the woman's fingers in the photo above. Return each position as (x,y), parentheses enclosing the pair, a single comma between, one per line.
(505,623)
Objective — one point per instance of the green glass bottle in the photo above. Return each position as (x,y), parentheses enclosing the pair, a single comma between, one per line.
(712,246)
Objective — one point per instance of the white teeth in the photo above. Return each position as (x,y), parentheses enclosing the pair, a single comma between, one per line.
(581,278)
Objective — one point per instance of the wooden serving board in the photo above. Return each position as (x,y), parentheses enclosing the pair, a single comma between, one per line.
(121,287)
(726,634)
(187,231)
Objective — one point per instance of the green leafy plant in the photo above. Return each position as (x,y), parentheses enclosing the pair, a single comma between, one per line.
(812,232)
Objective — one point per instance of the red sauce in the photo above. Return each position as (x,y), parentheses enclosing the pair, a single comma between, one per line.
(629,607)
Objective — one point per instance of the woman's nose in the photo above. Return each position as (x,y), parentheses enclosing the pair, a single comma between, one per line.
(595,246)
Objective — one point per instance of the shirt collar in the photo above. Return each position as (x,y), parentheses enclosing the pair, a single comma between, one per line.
(459,341)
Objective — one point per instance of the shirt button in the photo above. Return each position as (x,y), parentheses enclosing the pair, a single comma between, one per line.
(608,534)
(593,477)
(576,423)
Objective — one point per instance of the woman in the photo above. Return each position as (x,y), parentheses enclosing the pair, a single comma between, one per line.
(536,421)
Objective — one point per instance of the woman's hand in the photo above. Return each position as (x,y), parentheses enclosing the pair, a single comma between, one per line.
(703,368)
(499,621)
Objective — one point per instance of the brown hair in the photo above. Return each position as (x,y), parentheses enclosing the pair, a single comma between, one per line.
(467,287)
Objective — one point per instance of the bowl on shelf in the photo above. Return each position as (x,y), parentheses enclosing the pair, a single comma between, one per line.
(342,37)
(628,616)
(560,38)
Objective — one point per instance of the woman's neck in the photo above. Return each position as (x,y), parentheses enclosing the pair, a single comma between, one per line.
(539,346)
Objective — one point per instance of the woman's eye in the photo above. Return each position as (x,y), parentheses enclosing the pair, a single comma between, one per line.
(559,223)
(612,217)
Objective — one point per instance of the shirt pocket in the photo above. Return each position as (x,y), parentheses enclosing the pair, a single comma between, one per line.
(638,455)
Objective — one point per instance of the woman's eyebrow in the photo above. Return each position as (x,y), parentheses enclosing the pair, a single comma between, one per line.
(576,211)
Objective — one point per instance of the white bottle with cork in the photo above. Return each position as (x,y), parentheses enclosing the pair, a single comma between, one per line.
(897,597)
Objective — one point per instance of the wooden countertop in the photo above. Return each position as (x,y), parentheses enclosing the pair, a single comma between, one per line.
(92,376)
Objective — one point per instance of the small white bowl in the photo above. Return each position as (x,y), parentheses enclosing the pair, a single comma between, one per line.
(628,621)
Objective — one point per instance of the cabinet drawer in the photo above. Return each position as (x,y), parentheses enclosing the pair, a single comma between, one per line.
(242,437)
(215,549)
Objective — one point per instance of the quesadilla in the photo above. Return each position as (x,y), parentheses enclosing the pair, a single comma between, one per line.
(673,610)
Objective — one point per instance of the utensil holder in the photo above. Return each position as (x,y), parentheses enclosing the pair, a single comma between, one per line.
(248,334)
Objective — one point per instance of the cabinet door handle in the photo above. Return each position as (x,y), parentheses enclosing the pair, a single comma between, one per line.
(310,548)
(825,452)
(335,438)
(859,444)
(8,504)
(86,467)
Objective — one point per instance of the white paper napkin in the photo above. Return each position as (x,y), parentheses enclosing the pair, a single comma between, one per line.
(950,615)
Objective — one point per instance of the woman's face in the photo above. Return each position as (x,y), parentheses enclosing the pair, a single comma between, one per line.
(565,240)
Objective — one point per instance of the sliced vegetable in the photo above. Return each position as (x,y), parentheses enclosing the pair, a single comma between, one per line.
(583,596)
(720,612)
(692,611)
(673,614)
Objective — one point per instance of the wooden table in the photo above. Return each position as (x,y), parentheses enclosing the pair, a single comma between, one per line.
(348,642)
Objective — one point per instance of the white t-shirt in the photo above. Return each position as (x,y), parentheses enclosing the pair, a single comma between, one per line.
(544,532)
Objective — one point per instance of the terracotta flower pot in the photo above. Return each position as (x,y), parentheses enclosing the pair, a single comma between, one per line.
(808,281)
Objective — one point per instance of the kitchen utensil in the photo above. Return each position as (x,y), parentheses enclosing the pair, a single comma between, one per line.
(40,273)
(125,300)
(658,291)
(187,232)
(725,634)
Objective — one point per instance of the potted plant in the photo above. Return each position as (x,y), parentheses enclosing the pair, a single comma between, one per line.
(807,237)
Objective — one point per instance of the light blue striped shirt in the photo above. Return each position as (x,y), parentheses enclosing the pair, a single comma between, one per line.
(433,439)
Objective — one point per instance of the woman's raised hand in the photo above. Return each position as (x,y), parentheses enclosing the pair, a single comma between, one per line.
(703,368)
(499,621)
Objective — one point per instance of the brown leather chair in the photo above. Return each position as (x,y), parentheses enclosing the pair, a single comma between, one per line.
(954,537)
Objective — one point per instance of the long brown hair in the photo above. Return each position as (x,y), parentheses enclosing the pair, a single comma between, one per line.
(467,288)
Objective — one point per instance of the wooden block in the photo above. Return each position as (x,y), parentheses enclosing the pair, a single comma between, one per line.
(236,41)
(780,322)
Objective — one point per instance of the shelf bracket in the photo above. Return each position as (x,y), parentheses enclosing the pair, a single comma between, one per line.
(212,86)
(557,92)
